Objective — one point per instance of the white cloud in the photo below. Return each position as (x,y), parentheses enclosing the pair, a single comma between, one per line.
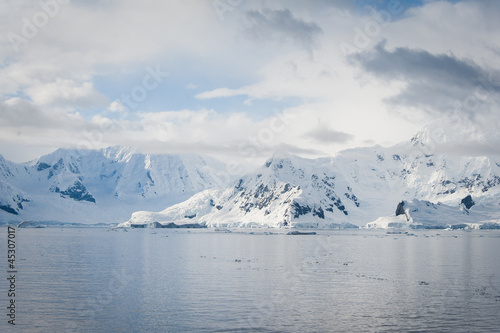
(117,106)
(66,92)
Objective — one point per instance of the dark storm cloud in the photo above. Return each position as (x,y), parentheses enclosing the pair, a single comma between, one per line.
(283,26)
(433,82)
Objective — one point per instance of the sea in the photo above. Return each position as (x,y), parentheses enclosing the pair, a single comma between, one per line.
(250,280)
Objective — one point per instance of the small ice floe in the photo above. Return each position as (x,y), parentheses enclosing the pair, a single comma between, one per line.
(296,232)
(222,230)
(397,232)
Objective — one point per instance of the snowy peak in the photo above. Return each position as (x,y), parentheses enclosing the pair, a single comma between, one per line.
(429,135)
(285,166)
(460,130)
(318,183)
(149,174)
(127,172)
(118,153)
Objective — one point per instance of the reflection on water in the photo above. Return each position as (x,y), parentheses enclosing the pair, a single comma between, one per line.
(94,280)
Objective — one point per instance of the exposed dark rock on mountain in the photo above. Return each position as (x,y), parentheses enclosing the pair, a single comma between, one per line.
(468,202)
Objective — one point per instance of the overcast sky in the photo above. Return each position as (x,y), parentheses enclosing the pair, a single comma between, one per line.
(240,79)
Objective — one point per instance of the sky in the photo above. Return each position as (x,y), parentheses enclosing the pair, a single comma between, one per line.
(242,79)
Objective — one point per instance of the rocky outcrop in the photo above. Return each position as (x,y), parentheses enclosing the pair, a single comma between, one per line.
(77,192)
(8,209)
(468,202)
(400,210)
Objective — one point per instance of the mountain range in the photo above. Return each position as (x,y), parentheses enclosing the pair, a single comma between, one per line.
(412,184)
(100,186)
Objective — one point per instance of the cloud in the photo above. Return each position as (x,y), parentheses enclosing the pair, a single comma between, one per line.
(275,54)
(117,106)
(322,133)
(220,92)
(433,83)
(281,25)
(17,112)
(292,75)
(22,122)
(472,148)
(66,92)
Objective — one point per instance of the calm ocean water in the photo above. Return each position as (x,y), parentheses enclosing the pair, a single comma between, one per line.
(159,280)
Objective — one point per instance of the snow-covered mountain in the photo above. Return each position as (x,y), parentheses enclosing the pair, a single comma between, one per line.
(355,187)
(106,185)
(286,191)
